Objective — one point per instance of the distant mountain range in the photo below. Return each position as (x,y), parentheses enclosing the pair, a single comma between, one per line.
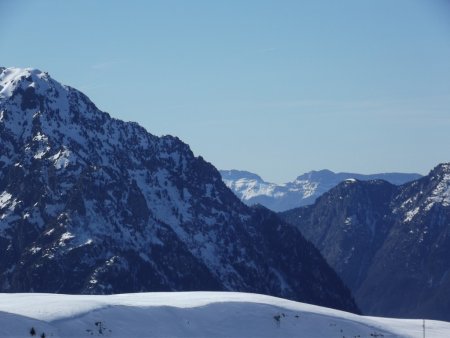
(304,190)
(90,204)
(390,244)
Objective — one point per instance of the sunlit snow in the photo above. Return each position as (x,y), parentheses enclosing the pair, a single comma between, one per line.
(193,314)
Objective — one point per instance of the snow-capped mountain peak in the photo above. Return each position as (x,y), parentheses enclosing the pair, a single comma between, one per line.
(239,174)
(12,78)
(92,204)
(31,84)
(304,190)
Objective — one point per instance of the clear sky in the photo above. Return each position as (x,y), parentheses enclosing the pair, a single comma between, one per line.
(274,87)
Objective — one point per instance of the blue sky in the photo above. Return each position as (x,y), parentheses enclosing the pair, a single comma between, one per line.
(274,87)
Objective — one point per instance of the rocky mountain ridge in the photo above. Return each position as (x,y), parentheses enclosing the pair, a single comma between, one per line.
(91,204)
(304,190)
(390,244)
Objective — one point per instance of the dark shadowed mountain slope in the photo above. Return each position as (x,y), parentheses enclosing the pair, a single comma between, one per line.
(389,244)
(91,204)
(347,224)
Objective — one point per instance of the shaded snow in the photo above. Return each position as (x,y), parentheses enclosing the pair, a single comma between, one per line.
(65,237)
(441,194)
(7,206)
(192,314)
(409,215)
(5,197)
(62,158)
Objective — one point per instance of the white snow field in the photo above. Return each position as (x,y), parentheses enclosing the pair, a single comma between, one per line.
(192,314)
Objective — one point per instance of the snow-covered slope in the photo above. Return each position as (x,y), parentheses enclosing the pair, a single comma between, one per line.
(92,204)
(304,190)
(193,314)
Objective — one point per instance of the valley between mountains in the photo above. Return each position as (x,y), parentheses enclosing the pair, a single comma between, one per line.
(386,235)
(92,205)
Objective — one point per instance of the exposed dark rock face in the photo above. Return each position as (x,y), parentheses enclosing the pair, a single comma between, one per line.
(91,204)
(390,244)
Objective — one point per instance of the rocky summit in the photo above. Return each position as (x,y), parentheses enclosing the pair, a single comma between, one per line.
(91,204)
